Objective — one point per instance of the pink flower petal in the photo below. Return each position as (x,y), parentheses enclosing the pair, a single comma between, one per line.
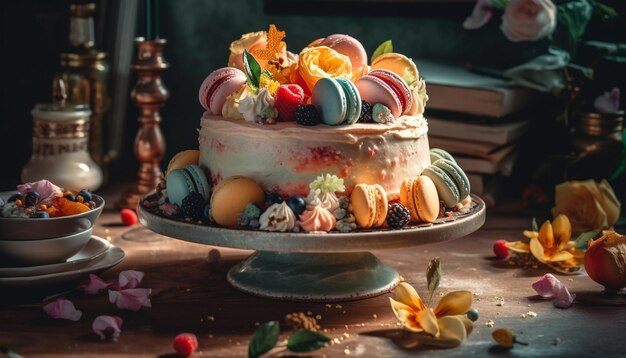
(608,102)
(107,327)
(45,188)
(131,299)
(547,286)
(481,14)
(62,309)
(95,284)
(130,279)
(563,298)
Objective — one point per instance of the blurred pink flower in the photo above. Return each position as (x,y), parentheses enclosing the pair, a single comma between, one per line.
(608,102)
(481,14)
(131,299)
(62,309)
(107,327)
(528,20)
(130,279)
(95,284)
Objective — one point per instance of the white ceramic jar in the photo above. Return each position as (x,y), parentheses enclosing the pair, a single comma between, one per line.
(61,148)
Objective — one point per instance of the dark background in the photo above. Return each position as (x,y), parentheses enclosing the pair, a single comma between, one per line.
(34,32)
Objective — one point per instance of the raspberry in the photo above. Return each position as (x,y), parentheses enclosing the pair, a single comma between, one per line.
(307,115)
(128,217)
(193,205)
(185,344)
(288,97)
(366,113)
(500,249)
(397,216)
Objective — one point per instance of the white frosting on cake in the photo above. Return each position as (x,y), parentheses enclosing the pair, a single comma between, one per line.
(285,157)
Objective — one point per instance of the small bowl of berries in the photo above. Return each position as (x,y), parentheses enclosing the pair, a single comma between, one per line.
(42,210)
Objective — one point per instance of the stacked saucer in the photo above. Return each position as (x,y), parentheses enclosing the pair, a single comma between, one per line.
(47,251)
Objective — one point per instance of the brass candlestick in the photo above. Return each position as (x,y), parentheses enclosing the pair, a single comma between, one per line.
(149,94)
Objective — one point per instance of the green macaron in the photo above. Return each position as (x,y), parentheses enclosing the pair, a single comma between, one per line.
(182,182)
(457,174)
(446,186)
(330,100)
(437,153)
(353,100)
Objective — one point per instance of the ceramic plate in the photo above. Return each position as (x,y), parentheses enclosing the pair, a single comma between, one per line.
(94,249)
(111,257)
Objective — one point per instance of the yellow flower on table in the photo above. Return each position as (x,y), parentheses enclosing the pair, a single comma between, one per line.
(445,326)
(551,244)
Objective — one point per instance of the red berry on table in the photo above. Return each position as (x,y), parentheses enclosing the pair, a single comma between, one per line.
(185,344)
(288,97)
(500,249)
(128,217)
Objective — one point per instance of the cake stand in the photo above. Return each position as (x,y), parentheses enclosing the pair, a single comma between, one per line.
(316,267)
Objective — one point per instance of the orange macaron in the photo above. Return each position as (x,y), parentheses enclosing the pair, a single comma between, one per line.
(369,205)
(419,195)
(231,196)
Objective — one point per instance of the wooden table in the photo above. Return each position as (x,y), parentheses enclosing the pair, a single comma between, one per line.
(192,295)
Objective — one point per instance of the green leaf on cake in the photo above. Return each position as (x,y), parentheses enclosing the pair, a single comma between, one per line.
(306,341)
(263,339)
(433,275)
(253,69)
(383,48)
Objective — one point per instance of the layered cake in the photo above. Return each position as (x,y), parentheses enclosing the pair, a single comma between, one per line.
(319,141)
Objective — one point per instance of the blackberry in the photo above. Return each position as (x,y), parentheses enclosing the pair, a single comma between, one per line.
(366,113)
(31,198)
(273,198)
(193,205)
(307,115)
(397,216)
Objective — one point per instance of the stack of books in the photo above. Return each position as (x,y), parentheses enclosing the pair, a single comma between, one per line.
(477,118)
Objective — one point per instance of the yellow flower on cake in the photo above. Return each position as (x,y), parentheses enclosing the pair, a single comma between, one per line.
(444,326)
(315,63)
(551,244)
(588,204)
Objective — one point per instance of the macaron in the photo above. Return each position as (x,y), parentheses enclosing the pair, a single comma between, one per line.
(182,159)
(437,153)
(369,204)
(457,174)
(218,85)
(337,100)
(451,182)
(183,181)
(398,64)
(385,87)
(351,47)
(419,195)
(231,196)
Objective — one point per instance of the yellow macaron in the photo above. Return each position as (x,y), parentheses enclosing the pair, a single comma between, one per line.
(231,196)
(419,195)
(369,205)
(184,158)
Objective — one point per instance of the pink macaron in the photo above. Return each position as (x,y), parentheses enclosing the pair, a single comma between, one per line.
(385,87)
(218,86)
(351,47)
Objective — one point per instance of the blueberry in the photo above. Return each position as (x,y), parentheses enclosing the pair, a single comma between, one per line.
(70,197)
(472,314)
(206,211)
(86,195)
(15,197)
(31,198)
(273,198)
(297,204)
(42,215)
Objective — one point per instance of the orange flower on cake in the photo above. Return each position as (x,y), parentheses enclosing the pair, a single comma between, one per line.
(315,63)
(445,326)
(589,205)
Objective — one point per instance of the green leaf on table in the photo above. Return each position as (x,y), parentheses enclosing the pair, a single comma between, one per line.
(383,48)
(263,339)
(499,4)
(604,11)
(9,353)
(575,15)
(306,341)
(534,226)
(433,275)
(253,69)
(582,239)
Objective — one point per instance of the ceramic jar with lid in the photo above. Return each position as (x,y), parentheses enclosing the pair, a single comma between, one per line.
(61,148)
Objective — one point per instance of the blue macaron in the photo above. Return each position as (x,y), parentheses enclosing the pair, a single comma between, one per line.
(457,174)
(447,188)
(330,100)
(181,182)
(437,153)
(353,100)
